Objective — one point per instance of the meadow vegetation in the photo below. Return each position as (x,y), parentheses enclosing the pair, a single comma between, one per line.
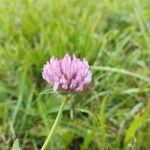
(113,35)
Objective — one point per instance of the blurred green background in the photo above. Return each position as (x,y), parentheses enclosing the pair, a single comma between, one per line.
(113,35)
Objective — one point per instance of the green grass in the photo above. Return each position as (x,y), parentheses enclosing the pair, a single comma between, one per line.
(114,36)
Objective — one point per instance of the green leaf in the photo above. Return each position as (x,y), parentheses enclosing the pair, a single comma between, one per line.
(47,91)
(102,121)
(136,124)
(88,139)
(16,145)
(138,121)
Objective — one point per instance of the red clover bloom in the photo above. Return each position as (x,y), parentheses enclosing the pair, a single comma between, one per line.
(68,74)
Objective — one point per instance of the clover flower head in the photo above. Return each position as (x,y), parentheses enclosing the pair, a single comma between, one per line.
(67,74)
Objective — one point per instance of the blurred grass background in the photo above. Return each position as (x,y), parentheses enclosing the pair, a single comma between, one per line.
(113,35)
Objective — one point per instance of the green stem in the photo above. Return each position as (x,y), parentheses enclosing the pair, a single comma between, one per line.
(55,124)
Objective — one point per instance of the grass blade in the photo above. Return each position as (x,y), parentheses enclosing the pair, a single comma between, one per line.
(121,71)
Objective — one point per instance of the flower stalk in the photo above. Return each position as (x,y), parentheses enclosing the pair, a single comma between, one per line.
(69,74)
(58,118)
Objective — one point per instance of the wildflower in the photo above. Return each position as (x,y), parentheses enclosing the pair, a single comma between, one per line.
(69,73)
